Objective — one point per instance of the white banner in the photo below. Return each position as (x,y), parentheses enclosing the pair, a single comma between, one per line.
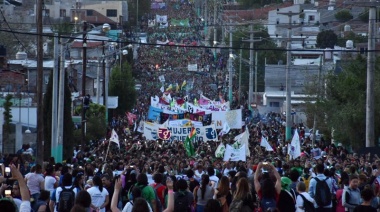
(233,154)
(161,78)
(192,67)
(162,19)
(232,117)
(184,123)
(205,133)
(151,23)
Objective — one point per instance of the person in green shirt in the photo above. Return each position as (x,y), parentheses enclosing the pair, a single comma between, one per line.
(147,191)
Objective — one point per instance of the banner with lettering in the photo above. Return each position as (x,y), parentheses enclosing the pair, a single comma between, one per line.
(205,133)
(204,118)
(232,117)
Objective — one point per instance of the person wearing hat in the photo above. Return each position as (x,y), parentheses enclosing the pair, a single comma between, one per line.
(287,200)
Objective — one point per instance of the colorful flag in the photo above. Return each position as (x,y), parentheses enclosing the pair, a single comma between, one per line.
(115,138)
(183,84)
(169,88)
(189,142)
(294,149)
(131,117)
(264,143)
(195,102)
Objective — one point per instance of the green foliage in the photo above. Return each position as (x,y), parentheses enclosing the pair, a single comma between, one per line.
(326,39)
(343,15)
(96,125)
(343,107)
(352,36)
(122,85)
(143,8)
(7,112)
(63,28)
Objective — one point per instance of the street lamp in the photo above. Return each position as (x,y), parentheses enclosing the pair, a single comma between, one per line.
(28,130)
(75,23)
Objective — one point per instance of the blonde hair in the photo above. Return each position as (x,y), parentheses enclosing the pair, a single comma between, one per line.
(242,189)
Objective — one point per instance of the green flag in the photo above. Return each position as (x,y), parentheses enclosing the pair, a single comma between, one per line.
(189,142)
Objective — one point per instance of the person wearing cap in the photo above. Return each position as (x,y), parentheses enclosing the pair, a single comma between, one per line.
(287,200)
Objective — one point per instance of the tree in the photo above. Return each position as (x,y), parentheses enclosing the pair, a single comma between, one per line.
(343,107)
(143,9)
(343,15)
(7,119)
(122,85)
(68,126)
(326,39)
(96,124)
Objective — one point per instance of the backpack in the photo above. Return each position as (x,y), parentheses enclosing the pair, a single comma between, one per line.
(239,206)
(66,199)
(181,201)
(307,205)
(322,193)
(268,204)
(306,181)
(158,201)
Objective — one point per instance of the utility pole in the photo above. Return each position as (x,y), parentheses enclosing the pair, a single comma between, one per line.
(61,104)
(316,104)
(256,61)
(241,55)
(215,18)
(40,76)
(230,67)
(370,101)
(289,123)
(206,23)
(84,67)
(54,118)
(251,62)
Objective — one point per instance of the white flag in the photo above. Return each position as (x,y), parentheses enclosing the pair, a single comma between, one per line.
(162,89)
(294,150)
(242,139)
(219,152)
(114,137)
(264,143)
(226,129)
(234,154)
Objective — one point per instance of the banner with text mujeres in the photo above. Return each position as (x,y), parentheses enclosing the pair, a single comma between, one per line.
(232,117)
(205,133)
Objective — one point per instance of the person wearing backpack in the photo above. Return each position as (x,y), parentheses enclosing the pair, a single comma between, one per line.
(320,190)
(306,177)
(159,187)
(287,196)
(148,192)
(267,191)
(62,200)
(304,202)
(183,199)
(351,195)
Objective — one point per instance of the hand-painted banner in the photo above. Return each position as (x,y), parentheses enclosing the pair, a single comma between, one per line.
(184,123)
(204,118)
(234,154)
(232,117)
(206,133)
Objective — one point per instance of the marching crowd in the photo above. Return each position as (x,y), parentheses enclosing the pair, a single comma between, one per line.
(144,175)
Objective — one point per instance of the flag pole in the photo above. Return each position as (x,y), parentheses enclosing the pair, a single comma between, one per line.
(108,148)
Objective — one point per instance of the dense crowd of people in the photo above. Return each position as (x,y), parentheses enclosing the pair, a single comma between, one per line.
(155,175)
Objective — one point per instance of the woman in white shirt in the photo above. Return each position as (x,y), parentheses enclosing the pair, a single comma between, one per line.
(50,180)
(199,172)
(99,195)
(301,189)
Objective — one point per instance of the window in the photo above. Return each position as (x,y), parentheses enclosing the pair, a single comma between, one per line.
(89,12)
(62,13)
(274,104)
(311,18)
(111,13)
(46,12)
